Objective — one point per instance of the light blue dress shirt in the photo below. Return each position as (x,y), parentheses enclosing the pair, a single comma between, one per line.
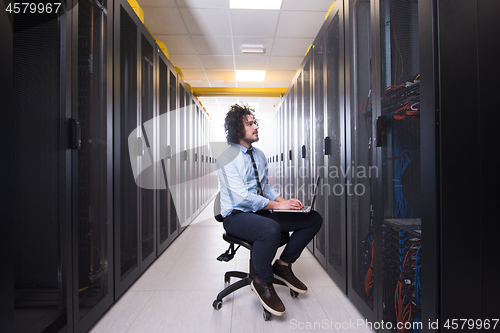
(238,186)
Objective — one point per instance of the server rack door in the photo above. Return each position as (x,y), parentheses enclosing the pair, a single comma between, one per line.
(196,145)
(199,153)
(7,146)
(166,207)
(92,171)
(183,155)
(173,162)
(399,211)
(308,132)
(163,154)
(149,134)
(274,150)
(359,151)
(201,156)
(126,123)
(271,152)
(189,155)
(292,154)
(194,154)
(42,167)
(285,144)
(319,138)
(197,187)
(282,147)
(335,162)
(300,147)
(206,192)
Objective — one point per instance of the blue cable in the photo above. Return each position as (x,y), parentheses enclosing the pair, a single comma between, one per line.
(401,162)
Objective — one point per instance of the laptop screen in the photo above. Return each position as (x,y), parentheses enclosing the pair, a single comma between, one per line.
(315,192)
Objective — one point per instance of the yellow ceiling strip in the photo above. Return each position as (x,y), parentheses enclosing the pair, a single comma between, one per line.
(238,92)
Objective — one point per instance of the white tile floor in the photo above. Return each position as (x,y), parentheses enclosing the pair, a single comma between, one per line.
(176,292)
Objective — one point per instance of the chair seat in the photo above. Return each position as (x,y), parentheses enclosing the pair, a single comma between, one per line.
(285,236)
(236,240)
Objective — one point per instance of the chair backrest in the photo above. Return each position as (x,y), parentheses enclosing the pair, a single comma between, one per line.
(217,213)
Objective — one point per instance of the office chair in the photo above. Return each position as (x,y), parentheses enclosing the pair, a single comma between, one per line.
(246,278)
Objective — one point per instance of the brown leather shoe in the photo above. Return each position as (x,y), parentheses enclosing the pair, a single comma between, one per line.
(285,274)
(268,297)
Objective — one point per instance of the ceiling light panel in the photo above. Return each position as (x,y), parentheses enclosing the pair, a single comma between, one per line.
(250,76)
(255,4)
(248,48)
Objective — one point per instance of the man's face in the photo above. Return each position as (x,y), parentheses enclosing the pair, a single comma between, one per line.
(251,131)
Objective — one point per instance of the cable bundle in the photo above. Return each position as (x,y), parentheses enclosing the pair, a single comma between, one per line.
(407,303)
(401,162)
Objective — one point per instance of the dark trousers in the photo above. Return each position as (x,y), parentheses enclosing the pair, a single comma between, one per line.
(264,230)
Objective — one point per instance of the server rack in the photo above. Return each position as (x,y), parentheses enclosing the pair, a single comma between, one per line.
(6,93)
(174,163)
(319,135)
(167,216)
(148,115)
(135,232)
(391,104)
(83,226)
(360,150)
(41,285)
(91,123)
(336,188)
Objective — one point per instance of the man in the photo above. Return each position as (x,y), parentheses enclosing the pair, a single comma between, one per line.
(246,201)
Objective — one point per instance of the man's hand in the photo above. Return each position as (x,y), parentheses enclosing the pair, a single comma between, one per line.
(291,204)
(281,203)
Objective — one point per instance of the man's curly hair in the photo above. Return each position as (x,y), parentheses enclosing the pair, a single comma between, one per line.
(234,123)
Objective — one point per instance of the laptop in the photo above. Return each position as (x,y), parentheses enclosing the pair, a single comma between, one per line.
(305,209)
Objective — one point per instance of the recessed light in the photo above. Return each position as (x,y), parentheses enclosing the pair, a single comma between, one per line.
(255,4)
(250,76)
(246,48)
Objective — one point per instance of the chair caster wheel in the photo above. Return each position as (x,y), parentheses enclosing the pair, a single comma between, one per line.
(267,315)
(217,304)
(293,293)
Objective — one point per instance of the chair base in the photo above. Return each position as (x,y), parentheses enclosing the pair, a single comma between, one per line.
(246,279)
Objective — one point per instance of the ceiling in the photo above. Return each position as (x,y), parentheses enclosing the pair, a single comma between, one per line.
(204,39)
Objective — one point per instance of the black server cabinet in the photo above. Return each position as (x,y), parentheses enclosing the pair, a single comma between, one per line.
(183,153)
(41,175)
(173,163)
(397,211)
(134,206)
(166,212)
(91,126)
(308,147)
(359,155)
(6,95)
(458,136)
(126,191)
(148,119)
(292,188)
(300,172)
(335,187)
(286,146)
(319,140)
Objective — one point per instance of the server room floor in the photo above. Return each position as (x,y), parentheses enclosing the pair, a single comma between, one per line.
(176,292)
